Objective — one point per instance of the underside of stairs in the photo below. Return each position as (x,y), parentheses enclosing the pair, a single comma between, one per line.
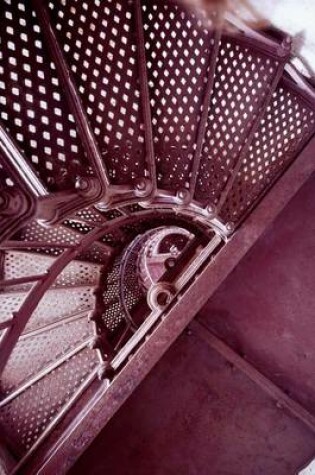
(144,148)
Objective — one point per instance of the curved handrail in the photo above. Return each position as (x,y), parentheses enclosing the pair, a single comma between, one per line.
(22,316)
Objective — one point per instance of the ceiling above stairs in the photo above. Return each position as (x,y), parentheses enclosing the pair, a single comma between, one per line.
(297,18)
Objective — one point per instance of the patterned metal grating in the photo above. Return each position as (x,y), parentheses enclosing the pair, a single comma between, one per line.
(9,303)
(90,215)
(112,313)
(60,235)
(178,45)
(54,235)
(287,126)
(60,303)
(242,79)
(22,264)
(56,304)
(100,45)
(42,349)
(131,289)
(32,104)
(27,416)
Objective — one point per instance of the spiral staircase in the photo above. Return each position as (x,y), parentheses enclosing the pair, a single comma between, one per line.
(136,137)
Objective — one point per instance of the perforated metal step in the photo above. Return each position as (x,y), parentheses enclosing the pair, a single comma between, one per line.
(103,56)
(243,78)
(61,235)
(43,349)
(32,103)
(286,127)
(56,304)
(35,408)
(23,264)
(179,46)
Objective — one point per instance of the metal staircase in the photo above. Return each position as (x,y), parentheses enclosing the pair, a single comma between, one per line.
(135,139)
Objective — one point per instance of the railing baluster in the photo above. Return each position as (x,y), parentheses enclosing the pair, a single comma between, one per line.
(206,103)
(6,323)
(25,172)
(145,96)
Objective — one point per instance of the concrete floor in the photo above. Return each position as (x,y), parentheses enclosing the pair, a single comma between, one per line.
(197,415)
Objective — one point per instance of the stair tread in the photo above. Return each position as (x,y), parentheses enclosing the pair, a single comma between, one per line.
(91,215)
(56,304)
(59,235)
(62,157)
(242,80)
(282,133)
(113,110)
(35,408)
(32,354)
(22,264)
(177,65)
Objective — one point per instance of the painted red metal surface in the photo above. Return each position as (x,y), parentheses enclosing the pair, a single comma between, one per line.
(127,106)
(98,408)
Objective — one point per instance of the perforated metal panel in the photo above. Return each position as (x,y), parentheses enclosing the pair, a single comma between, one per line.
(60,303)
(111,214)
(133,208)
(53,235)
(100,45)
(9,303)
(25,418)
(242,79)
(78,273)
(32,104)
(131,288)
(287,125)
(178,45)
(59,235)
(112,313)
(34,353)
(113,239)
(90,215)
(80,227)
(55,305)
(22,264)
